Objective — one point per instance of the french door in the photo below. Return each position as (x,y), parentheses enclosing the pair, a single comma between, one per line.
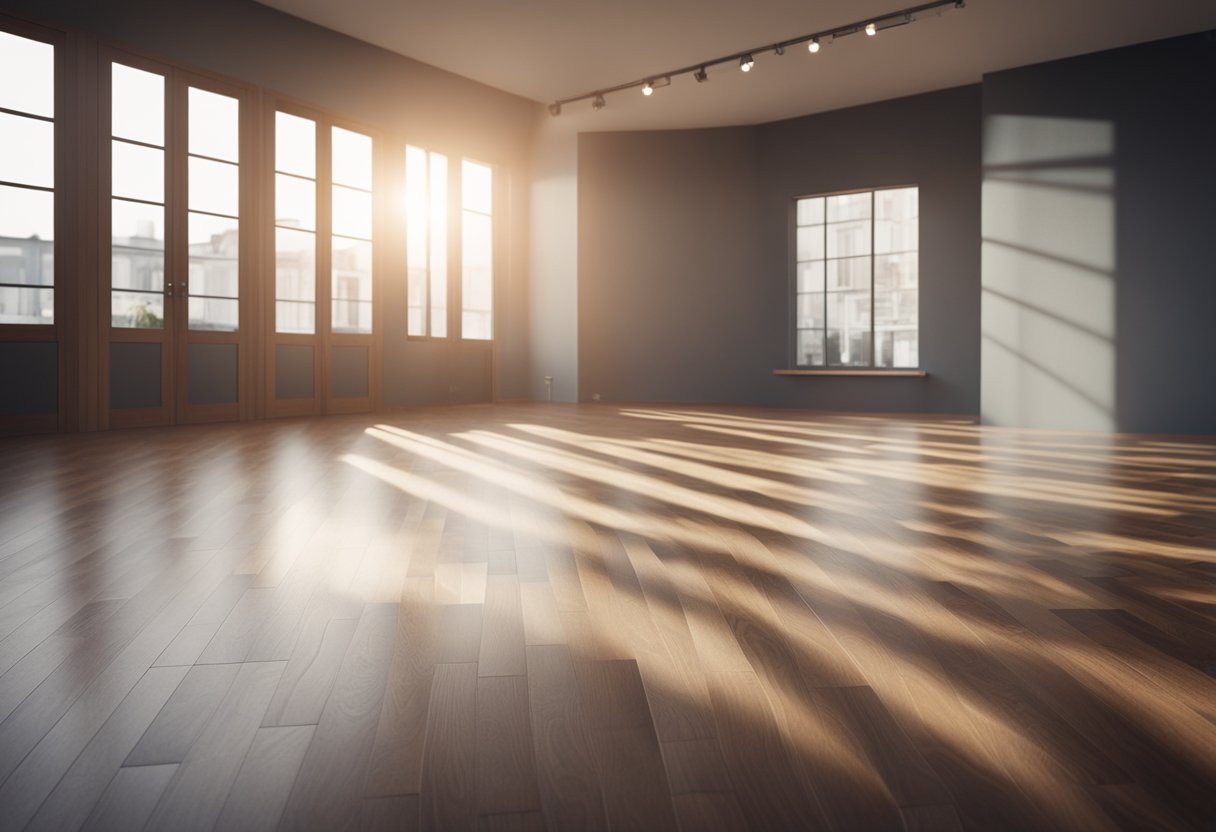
(176,273)
(320,318)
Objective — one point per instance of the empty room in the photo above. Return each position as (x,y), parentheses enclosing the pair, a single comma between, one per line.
(607,416)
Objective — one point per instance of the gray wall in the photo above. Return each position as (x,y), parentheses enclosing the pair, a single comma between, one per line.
(683,254)
(553,348)
(1099,206)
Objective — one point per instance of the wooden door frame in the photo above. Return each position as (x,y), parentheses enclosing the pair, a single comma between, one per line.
(64,330)
(243,407)
(323,339)
(165,336)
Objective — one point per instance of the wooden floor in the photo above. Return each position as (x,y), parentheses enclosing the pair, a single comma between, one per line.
(536,617)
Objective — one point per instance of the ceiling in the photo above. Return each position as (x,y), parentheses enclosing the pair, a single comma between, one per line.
(549,49)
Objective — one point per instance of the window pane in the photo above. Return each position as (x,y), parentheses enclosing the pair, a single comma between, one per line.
(857,306)
(893,236)
(137,259)
(137,172)
(295,265)
(352,315)
(849,239)
(295,202)
(27,150)
(896,348)
(138,105)
(849,207)
(809,348)
(895,271)
(848,334)
(27,75)
(477,276)
(810,276)
(416,301)
(352,285)
(26,304)
(439,245)
(27,262)
(352,213)
(214,125)
(352,159)
(853,273)
(295,145)
(810,243)
(137,310)
(810,211)
(810,311)
(214,187)
(215,314)
(476,187)
(417,208)
(27,233)
(298,317)
(897,204)
(214,256)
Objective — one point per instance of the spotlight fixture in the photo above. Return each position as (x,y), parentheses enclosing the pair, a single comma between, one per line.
(746,60)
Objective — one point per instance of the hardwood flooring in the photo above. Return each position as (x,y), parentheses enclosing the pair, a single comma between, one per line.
(528,617)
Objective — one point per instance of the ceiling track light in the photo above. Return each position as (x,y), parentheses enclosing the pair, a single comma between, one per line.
(700,70)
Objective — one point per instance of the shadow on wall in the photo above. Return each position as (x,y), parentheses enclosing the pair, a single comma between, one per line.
(1048,356)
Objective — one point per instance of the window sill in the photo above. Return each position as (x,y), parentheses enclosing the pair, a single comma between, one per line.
(877,373)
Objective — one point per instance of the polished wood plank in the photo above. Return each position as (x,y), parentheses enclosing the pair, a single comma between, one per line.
(570,789)
(130,798)
(449,790)
(264,782)
(527,616)
(195,797)
(327,793)
(506,768)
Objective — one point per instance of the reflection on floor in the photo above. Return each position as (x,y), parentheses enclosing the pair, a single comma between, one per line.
(531,617)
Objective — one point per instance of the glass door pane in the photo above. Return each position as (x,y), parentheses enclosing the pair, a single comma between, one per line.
(295,219)
(137,208)
(27,181)
(213,199)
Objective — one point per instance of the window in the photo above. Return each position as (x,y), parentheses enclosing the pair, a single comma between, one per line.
(426,222)
(477,252)
(352,231)
(27,181)
(295,219)
(137,204)
(213,223)
(855,283)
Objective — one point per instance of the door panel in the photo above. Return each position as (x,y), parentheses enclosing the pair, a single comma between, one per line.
(175,264)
